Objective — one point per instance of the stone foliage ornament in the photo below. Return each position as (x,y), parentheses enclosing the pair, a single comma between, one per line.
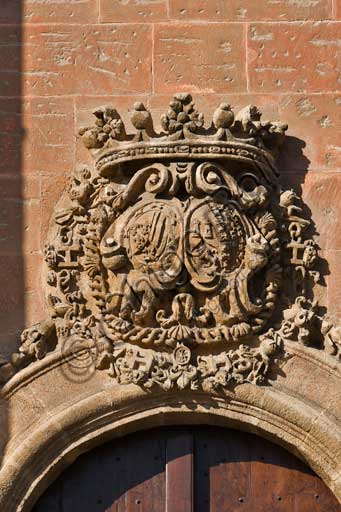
(178,260)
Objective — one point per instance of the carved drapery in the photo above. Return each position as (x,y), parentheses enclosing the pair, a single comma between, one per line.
(178,260)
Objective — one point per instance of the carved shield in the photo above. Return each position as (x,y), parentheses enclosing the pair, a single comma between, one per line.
(215,236)
(152,236)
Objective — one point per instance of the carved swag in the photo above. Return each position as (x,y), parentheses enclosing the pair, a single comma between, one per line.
(178,260)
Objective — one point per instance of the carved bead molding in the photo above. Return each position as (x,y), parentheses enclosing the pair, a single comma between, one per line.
(178,261)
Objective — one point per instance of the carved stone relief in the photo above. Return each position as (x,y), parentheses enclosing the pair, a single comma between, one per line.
(178,260)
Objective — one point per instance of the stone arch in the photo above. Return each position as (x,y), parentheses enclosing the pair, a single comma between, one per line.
(65,431)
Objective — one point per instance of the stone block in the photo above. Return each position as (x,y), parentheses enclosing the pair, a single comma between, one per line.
(333,280)
(10,60)
(11,136)
(81,59)
(236,10)
(54,11)
(295,57)
(19,215)
(243,10)
(314,126)
(11,295)
(337,4)
(321,192)
(199,58)
(49,135)
(133,10)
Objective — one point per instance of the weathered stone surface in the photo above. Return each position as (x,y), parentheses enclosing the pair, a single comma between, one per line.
(200,58)
(81,59)
(35,304)
(337,4)
(11,135)
(321,384)
(314,123)
(133,10)
(77,417)
(49,129)
(14,187)
(10,60)
(98,224)
(12,299)
(49,11)
(321,192)
(334,282)
(294,57)
(19,220)
(236,10)
(95,225)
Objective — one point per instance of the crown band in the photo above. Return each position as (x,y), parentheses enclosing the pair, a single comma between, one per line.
(242,136)
(192,150)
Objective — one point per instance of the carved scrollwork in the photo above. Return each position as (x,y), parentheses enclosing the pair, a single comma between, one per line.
(180,369)
(173,254)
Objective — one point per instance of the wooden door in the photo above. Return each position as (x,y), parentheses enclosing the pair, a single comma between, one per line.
(200,469)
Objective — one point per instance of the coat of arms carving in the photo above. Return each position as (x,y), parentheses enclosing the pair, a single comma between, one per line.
(178,260)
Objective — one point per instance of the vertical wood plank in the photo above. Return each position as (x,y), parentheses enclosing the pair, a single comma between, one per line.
(145,467)
(179,472)
(237,471)
(121,476)
(222,470)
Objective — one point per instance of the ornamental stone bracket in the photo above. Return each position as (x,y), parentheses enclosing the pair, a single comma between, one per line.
(178,266)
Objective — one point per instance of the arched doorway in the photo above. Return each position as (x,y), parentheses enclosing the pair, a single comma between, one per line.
(182,469)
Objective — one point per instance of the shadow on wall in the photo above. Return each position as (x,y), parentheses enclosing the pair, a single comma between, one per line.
(293,166)
(12,289)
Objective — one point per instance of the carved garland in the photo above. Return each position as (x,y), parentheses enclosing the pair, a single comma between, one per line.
(178,260)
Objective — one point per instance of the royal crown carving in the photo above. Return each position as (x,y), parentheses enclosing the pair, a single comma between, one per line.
(178,260)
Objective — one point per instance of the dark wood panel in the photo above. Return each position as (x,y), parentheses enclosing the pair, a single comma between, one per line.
(141,472)
(168,469)
(121,476)
(222,469)
(237,471)
(179,471)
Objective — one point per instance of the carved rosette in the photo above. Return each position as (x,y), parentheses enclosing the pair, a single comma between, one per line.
(170,258)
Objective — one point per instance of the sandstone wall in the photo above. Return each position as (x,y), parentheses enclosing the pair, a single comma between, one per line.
(59,59)
(69,56)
